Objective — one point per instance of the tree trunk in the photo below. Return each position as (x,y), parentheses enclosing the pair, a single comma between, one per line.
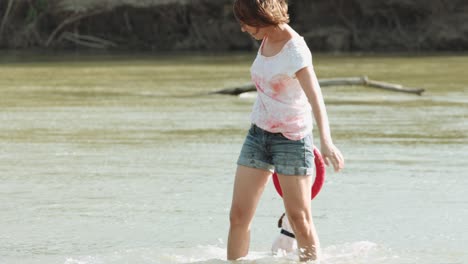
(5,17)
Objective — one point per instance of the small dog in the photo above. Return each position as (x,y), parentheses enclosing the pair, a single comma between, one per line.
(286,242)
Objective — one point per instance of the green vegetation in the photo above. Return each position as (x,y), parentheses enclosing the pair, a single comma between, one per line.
(162,25)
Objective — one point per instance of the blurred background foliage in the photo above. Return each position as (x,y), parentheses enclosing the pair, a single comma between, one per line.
(209,25)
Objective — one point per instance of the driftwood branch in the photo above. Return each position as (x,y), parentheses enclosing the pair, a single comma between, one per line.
(87,41)
(364,81)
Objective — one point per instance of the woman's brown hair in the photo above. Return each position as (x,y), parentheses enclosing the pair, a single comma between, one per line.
(261,13)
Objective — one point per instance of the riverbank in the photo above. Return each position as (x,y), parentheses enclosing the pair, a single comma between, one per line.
(208,25)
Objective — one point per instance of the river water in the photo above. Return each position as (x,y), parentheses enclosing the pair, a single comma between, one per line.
(127,159)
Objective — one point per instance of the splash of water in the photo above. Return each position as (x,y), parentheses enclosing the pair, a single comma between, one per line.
(350,253)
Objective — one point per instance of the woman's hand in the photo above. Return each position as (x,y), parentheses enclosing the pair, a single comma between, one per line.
(331,154)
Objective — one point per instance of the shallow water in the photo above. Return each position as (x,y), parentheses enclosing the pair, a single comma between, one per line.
(127,159)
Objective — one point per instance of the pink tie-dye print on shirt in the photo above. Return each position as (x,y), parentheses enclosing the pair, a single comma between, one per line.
(281,105)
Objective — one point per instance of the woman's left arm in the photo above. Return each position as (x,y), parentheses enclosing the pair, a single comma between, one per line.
(310,85)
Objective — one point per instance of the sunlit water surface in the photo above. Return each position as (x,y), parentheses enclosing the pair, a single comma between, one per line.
(128,159)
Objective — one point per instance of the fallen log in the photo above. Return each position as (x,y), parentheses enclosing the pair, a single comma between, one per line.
(87,41)
(363,81)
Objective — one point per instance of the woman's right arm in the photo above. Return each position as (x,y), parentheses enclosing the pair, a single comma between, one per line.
(311,87)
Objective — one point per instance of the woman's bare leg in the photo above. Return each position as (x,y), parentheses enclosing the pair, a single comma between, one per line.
(296,198)
(248,187)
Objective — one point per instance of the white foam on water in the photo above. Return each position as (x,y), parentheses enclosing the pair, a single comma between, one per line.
(360,252)
(350,253)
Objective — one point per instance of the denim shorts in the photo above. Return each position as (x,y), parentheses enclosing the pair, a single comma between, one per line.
(274,152)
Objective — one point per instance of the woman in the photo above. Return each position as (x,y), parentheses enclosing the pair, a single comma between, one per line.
(280,137)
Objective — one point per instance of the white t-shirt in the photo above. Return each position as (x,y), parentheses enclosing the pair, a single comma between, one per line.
(281,105)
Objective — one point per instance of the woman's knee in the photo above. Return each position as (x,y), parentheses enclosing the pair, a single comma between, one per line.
(239,216)
(300,221)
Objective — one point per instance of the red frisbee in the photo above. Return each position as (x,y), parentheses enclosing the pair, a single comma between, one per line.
(319,175)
